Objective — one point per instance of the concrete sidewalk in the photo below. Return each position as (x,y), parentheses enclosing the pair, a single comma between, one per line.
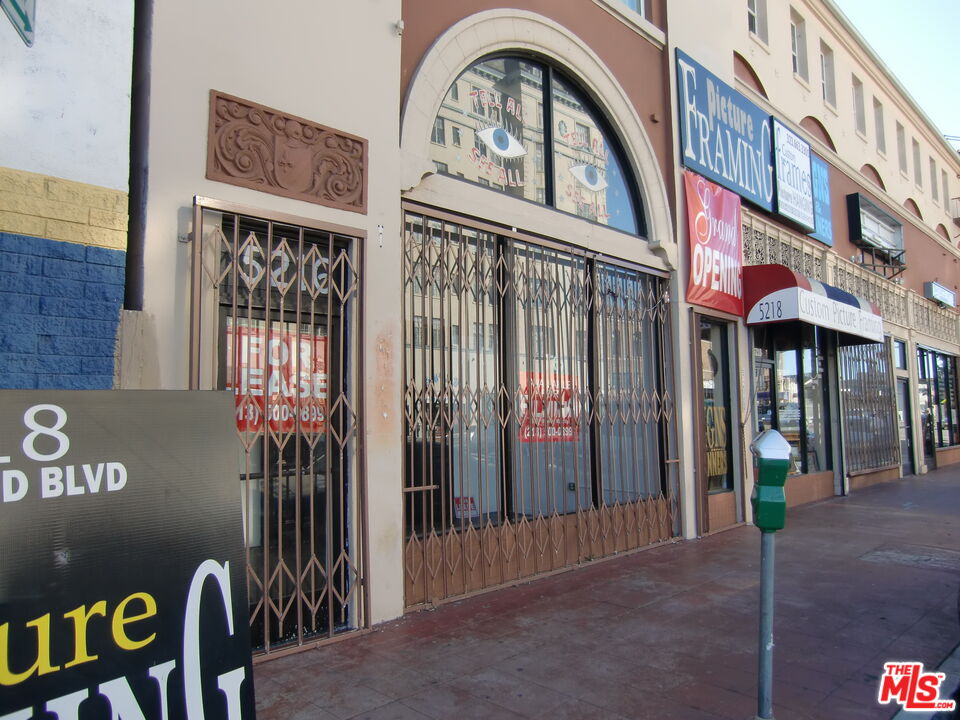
(671,632)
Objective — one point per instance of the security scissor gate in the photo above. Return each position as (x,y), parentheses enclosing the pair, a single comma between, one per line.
(539,409)
(275,321)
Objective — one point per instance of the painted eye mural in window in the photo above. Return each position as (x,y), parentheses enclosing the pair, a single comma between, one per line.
(536,136)
(589,177)
(501,142)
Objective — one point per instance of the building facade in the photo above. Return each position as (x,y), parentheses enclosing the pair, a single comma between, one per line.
(511,294)
(847,334)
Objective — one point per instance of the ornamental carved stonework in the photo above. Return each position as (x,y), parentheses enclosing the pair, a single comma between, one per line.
(257,147)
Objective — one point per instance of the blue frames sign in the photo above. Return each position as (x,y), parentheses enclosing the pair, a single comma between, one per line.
(723,136)
(822,213)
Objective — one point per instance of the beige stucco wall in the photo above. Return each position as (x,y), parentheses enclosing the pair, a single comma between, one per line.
(301,63)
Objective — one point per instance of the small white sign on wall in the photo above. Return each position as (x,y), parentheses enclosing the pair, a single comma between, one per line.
(794,180)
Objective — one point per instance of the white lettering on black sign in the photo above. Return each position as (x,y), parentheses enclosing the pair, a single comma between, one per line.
(45,442)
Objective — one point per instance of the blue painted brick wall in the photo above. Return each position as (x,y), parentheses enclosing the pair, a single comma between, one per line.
(59,310)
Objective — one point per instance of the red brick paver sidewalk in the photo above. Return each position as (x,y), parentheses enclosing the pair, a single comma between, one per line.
(668,633)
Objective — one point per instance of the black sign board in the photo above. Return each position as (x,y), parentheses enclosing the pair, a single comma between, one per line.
(122,572)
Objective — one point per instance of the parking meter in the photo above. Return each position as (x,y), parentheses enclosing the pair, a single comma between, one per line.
(771,457)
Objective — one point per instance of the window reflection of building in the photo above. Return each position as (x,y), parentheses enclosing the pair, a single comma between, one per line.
(792,394)
(513,127)
(714,359)
(545,380)
(938,374)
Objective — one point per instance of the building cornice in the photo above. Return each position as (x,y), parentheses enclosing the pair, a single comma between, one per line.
(880,72)
(854,174)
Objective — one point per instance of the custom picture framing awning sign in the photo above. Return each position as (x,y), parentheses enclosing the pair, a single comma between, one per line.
(122,565)
(716,246)
(774,293)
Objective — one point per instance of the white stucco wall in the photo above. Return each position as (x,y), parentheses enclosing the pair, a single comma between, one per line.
(66,100)
(334,64)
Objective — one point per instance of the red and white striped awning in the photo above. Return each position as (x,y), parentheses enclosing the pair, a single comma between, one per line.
(774,293)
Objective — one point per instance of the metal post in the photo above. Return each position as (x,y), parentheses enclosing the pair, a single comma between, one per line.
(765,686)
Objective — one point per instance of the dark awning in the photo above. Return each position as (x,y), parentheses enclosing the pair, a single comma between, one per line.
(774,293)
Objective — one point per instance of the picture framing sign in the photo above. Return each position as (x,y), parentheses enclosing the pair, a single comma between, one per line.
(716,246)
(122,566)
(793,176)
(723,136)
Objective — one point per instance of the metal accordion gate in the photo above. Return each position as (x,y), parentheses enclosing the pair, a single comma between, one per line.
(275,321)
(539,410)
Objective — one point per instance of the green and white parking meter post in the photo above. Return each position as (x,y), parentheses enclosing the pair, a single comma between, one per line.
(771,456)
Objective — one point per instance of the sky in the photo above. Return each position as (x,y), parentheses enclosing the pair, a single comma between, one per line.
(919,40)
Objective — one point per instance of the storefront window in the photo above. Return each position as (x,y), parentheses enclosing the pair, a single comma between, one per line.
(788,404)
(558,410)
(940,416)
(512,124)
(868,407)
(715,361)
(589,178)
(791,393)
(815,418)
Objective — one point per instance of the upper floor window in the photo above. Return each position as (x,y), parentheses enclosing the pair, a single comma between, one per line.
(946,193)
(859,114)
(548,146)
(827,84)
(933,180)
(917,172)
(798,44)
(878,124)
(902,148)
(635,5)
(757,18)
(438,135)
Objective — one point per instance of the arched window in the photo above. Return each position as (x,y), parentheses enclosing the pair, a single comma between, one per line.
(520,127)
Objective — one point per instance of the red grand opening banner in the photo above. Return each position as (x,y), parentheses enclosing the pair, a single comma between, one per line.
(716,246)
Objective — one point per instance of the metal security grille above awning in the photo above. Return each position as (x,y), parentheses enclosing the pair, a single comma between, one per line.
(774,293)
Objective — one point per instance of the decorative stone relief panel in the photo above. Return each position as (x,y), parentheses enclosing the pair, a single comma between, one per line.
(257,147)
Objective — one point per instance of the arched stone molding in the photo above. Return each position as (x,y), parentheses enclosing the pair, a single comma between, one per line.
(744,71)
(942,232)
(873,175)
(503,30)
(911,205)
(817,130)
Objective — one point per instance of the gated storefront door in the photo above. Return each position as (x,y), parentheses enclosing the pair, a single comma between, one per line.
(275,318)
(718,483)
(539,408)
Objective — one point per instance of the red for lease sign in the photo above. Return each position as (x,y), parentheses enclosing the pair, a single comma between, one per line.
(279,375)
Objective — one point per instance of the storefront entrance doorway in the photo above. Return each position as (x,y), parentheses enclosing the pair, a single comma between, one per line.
(717,479)
(276,307)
